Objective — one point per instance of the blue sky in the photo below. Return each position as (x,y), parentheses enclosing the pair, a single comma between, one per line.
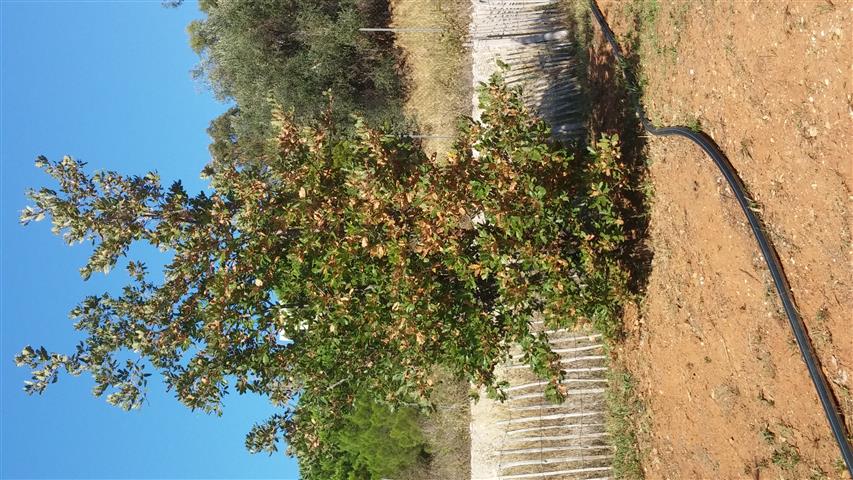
(109,83)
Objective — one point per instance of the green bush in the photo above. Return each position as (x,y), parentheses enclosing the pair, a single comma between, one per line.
(372,441)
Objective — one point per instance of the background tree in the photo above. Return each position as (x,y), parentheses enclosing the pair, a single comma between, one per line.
(292,52)
(372,441)
(379,262)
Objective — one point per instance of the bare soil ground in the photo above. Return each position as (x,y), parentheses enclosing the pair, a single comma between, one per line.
(726,391)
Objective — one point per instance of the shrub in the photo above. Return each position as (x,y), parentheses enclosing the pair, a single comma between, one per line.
(385,441)
(379,262)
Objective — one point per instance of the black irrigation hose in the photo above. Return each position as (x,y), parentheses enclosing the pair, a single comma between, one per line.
(770,257)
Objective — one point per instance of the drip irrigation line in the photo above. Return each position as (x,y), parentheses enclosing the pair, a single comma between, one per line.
(771,258)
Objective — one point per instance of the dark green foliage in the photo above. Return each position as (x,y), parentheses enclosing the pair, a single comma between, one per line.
(292,52)
(385,441)
(372,442)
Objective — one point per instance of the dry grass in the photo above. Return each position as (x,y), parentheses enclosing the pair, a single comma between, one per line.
(447,431)
(438,72)
(625,411)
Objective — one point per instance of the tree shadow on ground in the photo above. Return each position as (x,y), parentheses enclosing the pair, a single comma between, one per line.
(610,109)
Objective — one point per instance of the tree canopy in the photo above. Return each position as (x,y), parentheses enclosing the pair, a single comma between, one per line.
(378,263)
(291,52)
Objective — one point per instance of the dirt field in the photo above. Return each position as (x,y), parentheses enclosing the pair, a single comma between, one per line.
(725,389)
